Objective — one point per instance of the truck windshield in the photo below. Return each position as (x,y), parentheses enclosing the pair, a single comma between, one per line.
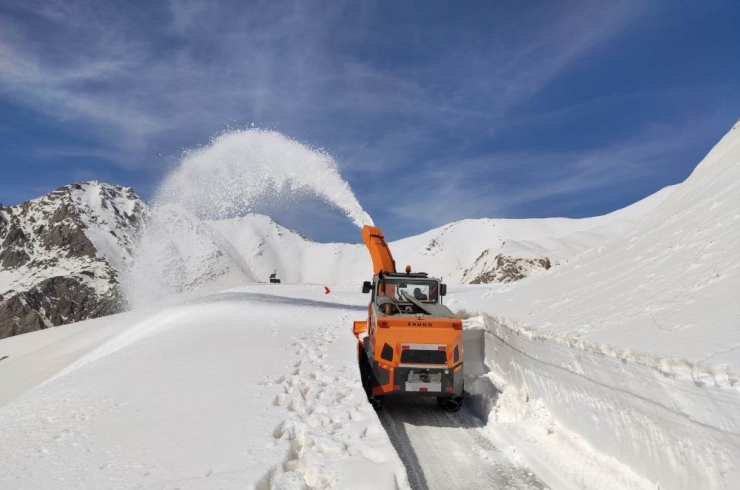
(422,290)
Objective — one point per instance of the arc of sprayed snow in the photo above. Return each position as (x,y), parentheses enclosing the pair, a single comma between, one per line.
(238,168)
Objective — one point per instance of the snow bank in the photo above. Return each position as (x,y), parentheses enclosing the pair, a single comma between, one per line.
(676,423)
(32,358)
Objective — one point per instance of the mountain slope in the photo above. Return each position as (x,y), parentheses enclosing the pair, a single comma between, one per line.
(474,250)
(673,276)
(60,253)
(176,253)
(70,255)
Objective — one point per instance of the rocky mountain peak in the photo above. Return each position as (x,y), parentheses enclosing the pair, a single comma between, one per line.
(60,254)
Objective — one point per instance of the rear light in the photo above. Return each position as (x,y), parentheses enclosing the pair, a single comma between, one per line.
(423,390)
(405,347)
(448,389)
(442,347)
(457,325)
(383,324)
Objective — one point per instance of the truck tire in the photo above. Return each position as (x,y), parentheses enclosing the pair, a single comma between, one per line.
(366,374)
(450,403)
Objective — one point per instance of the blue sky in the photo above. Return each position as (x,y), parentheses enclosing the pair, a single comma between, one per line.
(435,111)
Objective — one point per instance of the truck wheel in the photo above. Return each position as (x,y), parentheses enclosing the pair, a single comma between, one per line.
(367,383)
(450,404)
(365,376)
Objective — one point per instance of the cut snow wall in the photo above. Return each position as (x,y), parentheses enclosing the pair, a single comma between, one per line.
(671,421)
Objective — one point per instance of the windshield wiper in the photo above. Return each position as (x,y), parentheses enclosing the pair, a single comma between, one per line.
(416,302)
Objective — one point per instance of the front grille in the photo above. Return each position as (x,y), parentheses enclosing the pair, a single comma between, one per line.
(410,356)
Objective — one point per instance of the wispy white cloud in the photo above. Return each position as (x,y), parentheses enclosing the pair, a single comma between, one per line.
(545,183)
(403,104)
(273,61)
(68,82)
(51,152)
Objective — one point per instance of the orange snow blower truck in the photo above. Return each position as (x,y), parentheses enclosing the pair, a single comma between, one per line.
(410,344)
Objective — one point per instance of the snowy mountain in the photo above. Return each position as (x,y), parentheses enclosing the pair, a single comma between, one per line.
(75,253)
(60,255)
(673,276)
(468,251)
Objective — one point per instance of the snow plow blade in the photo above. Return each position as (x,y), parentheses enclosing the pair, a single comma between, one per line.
(359,327)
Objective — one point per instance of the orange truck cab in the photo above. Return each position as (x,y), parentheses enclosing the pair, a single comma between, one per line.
(411,344)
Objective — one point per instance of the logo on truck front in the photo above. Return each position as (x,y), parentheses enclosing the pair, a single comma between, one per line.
(419,324)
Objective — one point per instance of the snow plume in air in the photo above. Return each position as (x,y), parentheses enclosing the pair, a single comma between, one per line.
(179,250)
(240,168)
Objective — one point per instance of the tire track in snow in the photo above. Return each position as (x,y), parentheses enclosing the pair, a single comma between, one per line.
(404,449)
(444,450)
(392,418)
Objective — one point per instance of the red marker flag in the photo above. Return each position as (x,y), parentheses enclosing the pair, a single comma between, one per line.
(327,290)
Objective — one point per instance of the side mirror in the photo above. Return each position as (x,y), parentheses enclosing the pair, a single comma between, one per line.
(366,287)
(443,290)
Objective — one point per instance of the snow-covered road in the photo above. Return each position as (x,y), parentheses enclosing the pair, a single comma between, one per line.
(444,450)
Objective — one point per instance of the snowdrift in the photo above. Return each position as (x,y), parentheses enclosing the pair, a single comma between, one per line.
(667,286)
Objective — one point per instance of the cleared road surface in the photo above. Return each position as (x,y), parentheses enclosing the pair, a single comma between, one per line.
(444,450)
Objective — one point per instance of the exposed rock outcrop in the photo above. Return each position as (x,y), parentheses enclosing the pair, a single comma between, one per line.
(503,268)
(60,255)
